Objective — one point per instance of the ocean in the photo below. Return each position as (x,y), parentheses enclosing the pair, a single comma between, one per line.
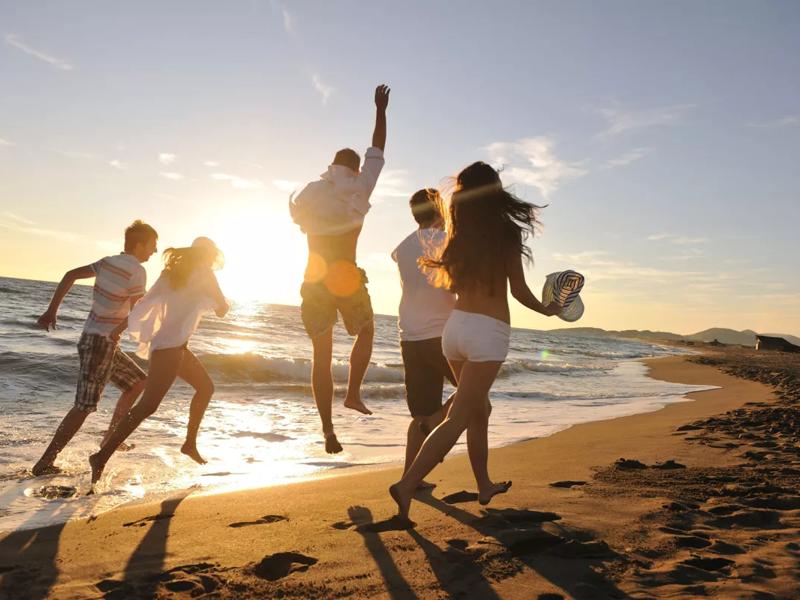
(262,426)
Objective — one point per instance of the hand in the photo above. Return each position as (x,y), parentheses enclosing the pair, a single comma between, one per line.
(114,335)
(552,309)
(47,321)
(382,96)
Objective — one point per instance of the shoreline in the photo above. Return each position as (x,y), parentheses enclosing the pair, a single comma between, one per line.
(243,540)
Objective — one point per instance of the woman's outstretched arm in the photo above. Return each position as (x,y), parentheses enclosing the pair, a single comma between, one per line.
(522,293)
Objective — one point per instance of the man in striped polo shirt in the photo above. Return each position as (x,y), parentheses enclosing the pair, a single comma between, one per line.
(119,283)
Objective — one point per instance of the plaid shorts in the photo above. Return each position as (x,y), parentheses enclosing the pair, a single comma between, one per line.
(102,361)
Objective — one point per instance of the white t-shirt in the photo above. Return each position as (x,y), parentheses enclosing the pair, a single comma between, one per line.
(339,201)
(166,317)
(424,309)
(118,278)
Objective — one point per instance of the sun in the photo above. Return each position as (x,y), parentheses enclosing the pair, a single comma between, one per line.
(265,255)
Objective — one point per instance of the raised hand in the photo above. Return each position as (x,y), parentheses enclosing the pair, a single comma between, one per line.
(382,96)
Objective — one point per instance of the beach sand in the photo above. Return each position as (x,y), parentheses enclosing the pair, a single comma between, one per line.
(726,525)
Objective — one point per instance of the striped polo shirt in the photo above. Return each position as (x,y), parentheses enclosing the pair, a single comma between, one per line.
(117,279)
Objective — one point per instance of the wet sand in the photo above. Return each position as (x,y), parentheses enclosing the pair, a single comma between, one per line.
(722,519)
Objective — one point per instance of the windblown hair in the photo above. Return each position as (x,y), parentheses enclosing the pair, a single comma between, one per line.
(426,205)
(180,263)
(487,226)
(138,232)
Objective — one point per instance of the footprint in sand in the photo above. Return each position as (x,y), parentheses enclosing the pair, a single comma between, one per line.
(262,521)
(277,566)
(568,483)
(144,521)
(55,492)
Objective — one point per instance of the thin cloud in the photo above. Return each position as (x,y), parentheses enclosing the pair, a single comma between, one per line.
(171,175)
(620,120)
(239,183)
(324,90)
(285,185)
(788,121)
(211,163)
(627,158)
(679,240)
(286,17)
(532,161)
(166,158)
(59,63)
(117,164)
(6,143)
(22,225)
(393,183)
(77,155)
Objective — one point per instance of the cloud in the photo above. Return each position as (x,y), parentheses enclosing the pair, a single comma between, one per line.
(79,155)
(23,225)
(238,182)
(627,158)
(392,183)
(117,164)
(6,143)
(59,63)
(324,90)
(532,161)
(286,185)
(788,121)
(288,20)
(171,176)
(211,163)
(673,238)
(620,120)
(166,158)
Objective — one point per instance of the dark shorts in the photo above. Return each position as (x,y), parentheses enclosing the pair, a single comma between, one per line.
(344,293)
(426,369)
(102,361)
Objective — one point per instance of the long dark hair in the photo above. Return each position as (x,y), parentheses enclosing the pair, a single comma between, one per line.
(487,225)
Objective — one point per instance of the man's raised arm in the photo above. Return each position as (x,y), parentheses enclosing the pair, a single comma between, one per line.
(381,102)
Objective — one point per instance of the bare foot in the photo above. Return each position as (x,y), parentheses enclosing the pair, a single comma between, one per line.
(97,467)
(356,404)
(41,469)
(332,445)
(403,502)
(484,497)
(191,452)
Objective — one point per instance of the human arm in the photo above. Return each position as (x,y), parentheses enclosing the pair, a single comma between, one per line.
(117,331)
(221,305)
(48,318)
(522,293)
(381,102)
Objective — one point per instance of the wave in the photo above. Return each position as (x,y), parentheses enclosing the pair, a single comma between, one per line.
(254,367)
(514,367)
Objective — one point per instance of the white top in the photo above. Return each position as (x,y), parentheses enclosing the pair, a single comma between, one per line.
(167,318)
(117,279)
(339,201)
(424,309)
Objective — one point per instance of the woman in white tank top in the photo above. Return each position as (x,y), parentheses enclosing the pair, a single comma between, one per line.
(162,322)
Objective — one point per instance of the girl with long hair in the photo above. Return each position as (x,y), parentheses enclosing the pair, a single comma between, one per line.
(162,322)
(483,258)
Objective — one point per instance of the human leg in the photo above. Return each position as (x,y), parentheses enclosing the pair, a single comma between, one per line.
(194,373)
(322,387)
(124,404)
(474,383)
(130,379)
(359,363)
(66,430)
(164,365)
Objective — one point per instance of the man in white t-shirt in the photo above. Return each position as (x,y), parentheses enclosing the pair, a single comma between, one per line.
(119,283)
(424,310)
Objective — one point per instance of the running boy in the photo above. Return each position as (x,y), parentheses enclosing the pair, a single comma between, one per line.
(119,283)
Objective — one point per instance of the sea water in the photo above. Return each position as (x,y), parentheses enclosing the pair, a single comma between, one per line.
(262,427)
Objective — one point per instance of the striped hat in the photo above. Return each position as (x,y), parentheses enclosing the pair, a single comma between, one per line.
(564,287)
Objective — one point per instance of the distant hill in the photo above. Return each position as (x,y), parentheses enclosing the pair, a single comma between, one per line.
(721,334)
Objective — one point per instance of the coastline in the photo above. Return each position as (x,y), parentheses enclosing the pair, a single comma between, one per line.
(238,544)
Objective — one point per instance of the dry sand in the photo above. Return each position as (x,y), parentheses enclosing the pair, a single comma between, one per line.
(643,533)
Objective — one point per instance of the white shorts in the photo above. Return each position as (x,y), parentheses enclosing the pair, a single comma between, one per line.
(475,337)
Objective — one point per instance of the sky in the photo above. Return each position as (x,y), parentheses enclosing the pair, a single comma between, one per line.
(663,137)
